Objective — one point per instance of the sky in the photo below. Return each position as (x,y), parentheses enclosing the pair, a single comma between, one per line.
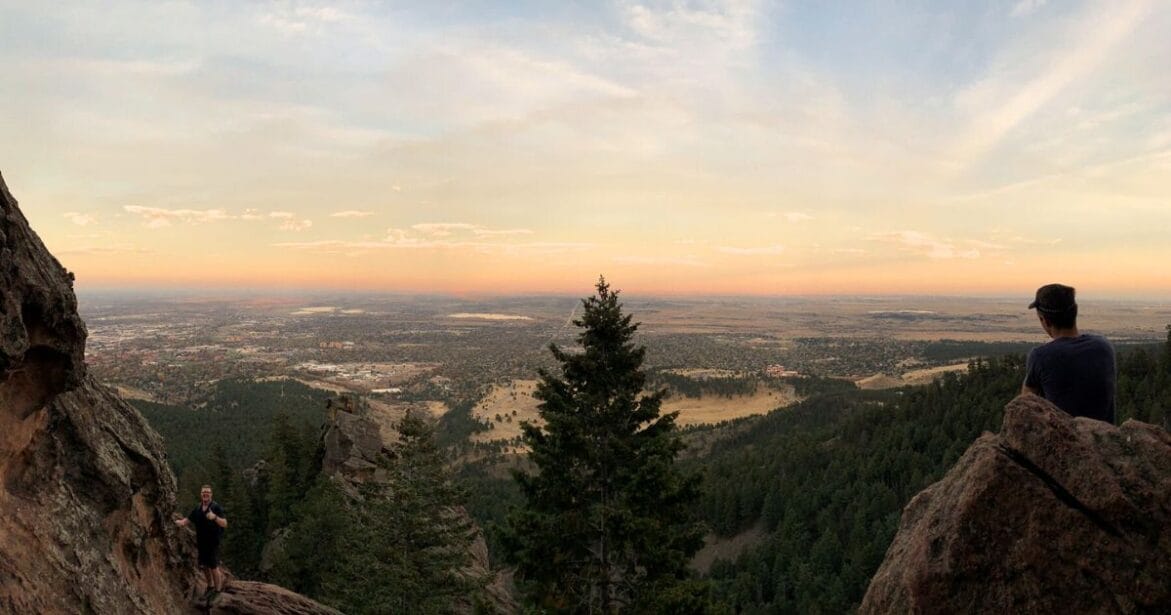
(678,148)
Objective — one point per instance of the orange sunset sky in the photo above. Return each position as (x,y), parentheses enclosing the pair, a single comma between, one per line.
(723,148)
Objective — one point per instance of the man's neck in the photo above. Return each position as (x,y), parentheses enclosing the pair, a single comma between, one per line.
(1071,332)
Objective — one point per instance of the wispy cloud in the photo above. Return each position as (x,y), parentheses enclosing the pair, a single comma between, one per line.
(484,232)
(924,244)
(754,251)
(157,217)
(442,229)
(1024,8)
(396,241)
(296,225)
(80,219)
(297,20)
(1007,97)
(351,213)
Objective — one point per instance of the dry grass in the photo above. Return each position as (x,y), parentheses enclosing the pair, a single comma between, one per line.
(914,377)
(713,409)
(503,401)
(436,408)
(517,397)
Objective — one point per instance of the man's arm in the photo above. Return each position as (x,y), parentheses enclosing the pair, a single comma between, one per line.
(216,514)
(1032,383)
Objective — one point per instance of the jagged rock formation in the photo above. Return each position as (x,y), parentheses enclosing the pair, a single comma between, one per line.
(86,494)
(352,445)
(1052,515)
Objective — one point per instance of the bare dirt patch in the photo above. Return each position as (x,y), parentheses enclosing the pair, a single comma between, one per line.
(129,392)
(715,548)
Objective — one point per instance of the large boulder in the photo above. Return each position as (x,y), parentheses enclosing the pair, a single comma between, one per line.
(86,493)
(1053,515)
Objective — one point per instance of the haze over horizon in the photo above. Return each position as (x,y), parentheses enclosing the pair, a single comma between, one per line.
(715,148)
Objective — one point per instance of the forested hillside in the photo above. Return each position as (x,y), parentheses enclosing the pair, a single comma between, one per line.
(823,483)
(827,480)
(233,425)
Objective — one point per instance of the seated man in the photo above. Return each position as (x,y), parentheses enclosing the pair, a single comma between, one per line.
(1074,371)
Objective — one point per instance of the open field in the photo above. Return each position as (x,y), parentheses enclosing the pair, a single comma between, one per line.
(713,408)
(515,403)
(913,377)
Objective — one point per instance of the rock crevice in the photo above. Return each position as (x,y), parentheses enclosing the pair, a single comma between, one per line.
(1054,514)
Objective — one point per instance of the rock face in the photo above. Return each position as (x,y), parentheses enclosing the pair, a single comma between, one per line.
(86,494)
(1054,514)
(353,446)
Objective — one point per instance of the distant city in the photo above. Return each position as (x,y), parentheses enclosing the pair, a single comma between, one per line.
(440,351)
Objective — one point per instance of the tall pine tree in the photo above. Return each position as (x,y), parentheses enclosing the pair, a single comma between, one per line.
(606,525)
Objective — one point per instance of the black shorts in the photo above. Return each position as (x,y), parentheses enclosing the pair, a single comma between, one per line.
(209,556)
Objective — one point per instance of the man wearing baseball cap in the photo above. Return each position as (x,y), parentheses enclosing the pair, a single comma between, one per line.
(1075,371)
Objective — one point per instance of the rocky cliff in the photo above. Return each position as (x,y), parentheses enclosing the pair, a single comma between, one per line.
(86,492)
(1052,515)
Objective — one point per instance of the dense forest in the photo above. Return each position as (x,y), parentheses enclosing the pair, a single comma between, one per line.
(826,480)
(233,424)
(821,484)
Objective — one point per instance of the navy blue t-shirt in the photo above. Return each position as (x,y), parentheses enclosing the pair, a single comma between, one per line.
(1077,374)
(207,533)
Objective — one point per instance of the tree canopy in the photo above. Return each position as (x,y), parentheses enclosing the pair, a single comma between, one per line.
(605,523)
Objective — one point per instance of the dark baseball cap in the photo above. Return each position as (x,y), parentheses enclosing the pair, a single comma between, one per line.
(1054,299)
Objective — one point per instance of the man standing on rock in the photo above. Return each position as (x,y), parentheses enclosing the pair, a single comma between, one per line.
(1074,371)
(209,521)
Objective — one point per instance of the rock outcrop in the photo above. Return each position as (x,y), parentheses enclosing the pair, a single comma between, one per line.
(1052,515)
(352,446)
(86,493)
(251,598)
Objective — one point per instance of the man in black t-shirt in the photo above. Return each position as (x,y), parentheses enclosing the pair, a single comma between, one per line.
(209,521)
(1075,371)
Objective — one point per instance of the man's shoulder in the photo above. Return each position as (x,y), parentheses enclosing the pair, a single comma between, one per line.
(217,509)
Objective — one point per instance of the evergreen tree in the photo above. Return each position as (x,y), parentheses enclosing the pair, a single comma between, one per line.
(606,521)
(416,536)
